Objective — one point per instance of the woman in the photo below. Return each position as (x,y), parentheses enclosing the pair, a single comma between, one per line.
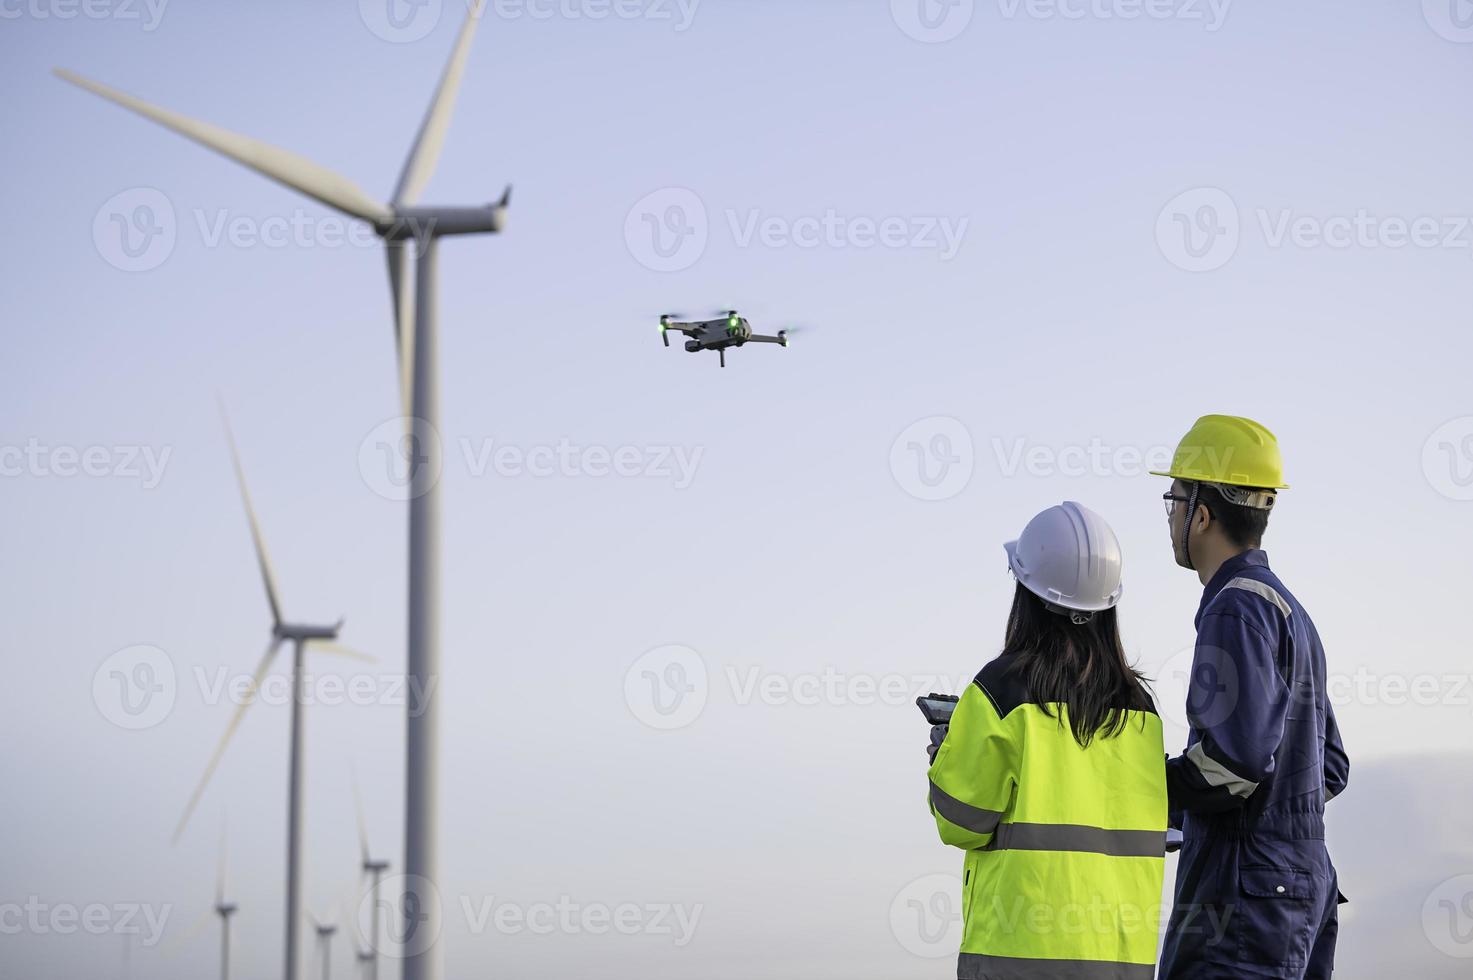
(1051,775)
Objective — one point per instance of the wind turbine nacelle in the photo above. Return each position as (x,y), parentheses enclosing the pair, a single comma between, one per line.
(432,222)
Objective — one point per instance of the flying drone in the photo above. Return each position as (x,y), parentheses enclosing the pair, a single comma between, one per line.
(728,330)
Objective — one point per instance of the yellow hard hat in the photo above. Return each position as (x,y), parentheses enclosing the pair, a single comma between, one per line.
(1231,450)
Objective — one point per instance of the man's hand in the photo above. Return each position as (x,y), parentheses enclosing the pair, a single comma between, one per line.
(938,734)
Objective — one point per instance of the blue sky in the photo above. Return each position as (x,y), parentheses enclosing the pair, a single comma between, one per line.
(1032,301)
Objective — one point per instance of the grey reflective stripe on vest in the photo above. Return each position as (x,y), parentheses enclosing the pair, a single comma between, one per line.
(1075,837)
(1218,774)
(964,815)
(1260,589)
(980,966)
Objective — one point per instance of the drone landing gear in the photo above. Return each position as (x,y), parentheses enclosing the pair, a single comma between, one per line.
(723,357)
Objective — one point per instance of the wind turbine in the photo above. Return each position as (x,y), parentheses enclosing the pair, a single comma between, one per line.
(374,870)
(299,635)
(367,963)
(325,932)
(224,910)
(399,222)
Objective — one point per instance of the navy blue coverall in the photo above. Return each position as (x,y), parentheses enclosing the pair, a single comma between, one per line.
(1256,893)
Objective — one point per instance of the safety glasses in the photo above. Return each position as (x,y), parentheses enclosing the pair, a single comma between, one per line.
(1170,500)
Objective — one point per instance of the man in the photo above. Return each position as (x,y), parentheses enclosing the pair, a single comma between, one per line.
(1256,893)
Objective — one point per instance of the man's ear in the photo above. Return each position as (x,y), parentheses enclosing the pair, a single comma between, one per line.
(1201,520)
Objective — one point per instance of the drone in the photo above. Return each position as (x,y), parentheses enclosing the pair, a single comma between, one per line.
(727,330)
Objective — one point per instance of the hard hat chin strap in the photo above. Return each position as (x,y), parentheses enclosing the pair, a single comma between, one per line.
(1186,524)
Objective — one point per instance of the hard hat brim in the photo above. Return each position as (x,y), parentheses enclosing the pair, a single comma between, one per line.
(1199,478)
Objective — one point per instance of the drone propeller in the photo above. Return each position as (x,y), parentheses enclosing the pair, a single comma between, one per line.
(787,332)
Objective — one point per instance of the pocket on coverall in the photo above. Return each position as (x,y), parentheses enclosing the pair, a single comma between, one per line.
(1274,920)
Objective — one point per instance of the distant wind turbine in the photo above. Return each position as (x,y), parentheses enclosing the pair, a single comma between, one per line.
(374,870)
(367,963)
(325,931)
(224,910)
(398,222)
(299,635)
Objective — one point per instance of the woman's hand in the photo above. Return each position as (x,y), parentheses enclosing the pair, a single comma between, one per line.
(938,735)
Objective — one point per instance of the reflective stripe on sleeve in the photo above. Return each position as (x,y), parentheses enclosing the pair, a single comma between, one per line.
(1218,774)
(964,815)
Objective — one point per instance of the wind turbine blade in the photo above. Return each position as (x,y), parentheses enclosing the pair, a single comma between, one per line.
(338,650)
(362,821)
(283,166)
(397,253)
(426,151)
(245,495)
(174,946)
(240,710)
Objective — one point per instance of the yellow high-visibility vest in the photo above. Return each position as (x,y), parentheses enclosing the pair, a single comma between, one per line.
(1065,843)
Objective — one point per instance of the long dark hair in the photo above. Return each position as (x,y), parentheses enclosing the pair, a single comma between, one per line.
(1080,665)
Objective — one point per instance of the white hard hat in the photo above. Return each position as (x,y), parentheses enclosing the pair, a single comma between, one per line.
(1070,558)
